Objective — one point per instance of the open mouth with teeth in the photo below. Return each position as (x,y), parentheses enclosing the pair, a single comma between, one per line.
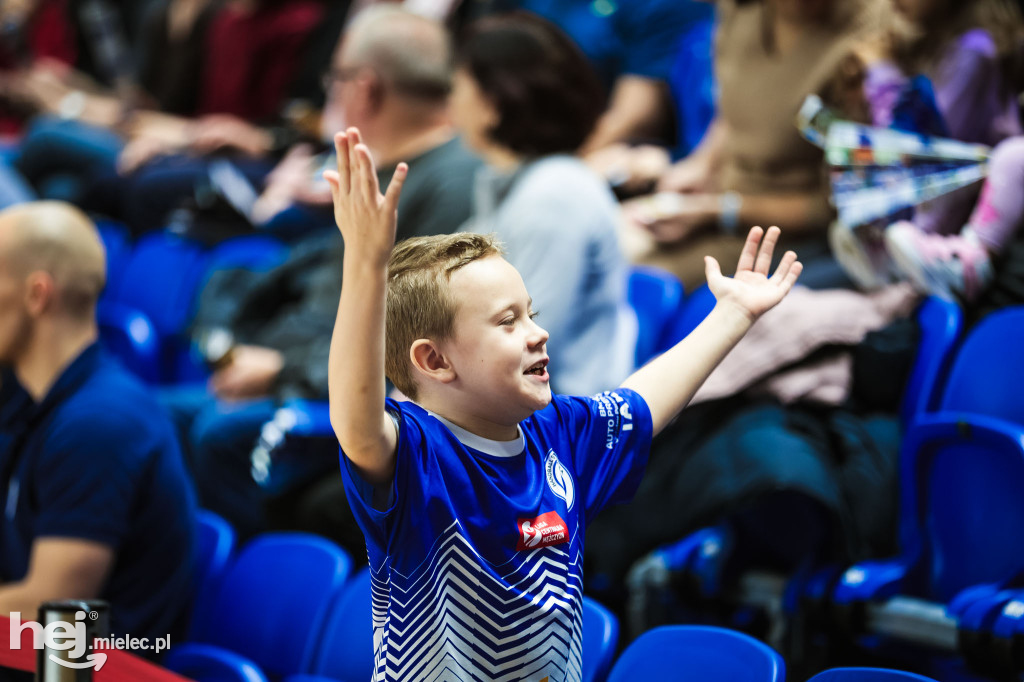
(539,369)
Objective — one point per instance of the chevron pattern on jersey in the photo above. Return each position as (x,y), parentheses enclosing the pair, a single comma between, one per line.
(458,617)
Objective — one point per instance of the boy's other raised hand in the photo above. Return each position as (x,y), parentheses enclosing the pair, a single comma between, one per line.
(751,290)
(367,219)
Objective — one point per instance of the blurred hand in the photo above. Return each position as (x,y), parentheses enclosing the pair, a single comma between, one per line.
(633,169)
(251,374)
(223,131)
(690,175)
(141,150)
(751,291)
(45,87)
(673,218)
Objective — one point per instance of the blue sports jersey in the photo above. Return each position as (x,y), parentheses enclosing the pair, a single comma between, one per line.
(477,561)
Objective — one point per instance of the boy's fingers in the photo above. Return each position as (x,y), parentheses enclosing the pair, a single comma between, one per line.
(792,275)
(395,187)
(368,183)
(711,268)
(333,182)
(749,252)
(353,157)
(784,265)
(764,256)
(341,150)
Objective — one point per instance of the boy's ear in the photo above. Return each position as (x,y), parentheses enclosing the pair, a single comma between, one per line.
(428,360)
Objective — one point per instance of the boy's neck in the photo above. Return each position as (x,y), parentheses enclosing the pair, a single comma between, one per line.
(475,424)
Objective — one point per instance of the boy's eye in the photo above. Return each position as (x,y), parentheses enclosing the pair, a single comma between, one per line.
(508,322)
(534,314)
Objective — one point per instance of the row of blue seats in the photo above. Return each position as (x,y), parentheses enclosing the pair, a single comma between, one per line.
(961,508)
(152,292)
(154,284)
(286,607)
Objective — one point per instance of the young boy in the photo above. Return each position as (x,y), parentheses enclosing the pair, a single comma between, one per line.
(474,498)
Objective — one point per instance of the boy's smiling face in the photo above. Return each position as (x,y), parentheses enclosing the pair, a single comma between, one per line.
(498,351)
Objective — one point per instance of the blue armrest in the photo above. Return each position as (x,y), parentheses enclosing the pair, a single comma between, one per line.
(870,580)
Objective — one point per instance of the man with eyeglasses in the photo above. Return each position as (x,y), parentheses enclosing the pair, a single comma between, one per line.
(390,77)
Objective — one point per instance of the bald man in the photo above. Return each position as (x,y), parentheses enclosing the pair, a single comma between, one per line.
(95,496)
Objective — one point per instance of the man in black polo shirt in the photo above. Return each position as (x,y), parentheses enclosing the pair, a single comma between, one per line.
(94,495)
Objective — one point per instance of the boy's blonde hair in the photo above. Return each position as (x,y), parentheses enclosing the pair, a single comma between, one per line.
(419,304)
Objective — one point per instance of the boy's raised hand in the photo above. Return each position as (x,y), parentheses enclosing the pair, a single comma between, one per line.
(751,290)
(367,219)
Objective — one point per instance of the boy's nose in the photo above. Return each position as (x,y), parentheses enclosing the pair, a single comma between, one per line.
(539,336)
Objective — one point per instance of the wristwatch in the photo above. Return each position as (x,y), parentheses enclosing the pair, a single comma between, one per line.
(729,205)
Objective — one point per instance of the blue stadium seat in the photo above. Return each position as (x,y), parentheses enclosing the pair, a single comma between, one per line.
(216,544)
(161,279)
(868,675)
(117,242)
(987,370)
(345,650)
(205,663)
(600,640)
(130,336)
(273,601)
(700,653)
(657,298)
(258,253)
(941,323)
(967,476)
(945,549)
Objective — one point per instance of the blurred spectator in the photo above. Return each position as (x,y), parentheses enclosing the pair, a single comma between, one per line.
(753,167)
(970,51)
(29,30)
(631,46)
(390,77)
(80,132)
(252,57)
(97,501)
(526,99)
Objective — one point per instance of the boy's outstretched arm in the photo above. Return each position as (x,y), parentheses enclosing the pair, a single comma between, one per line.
(668,382)
(356,382)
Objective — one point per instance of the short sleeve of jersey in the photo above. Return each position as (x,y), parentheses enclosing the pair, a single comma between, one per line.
(375,520)
(611,435)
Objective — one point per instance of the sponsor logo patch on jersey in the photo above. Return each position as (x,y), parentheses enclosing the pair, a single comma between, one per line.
(559,479)
(546,529)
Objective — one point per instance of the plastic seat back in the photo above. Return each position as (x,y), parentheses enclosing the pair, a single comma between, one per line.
(600,640)
(868,675)
(941,324)
(117,244)
(965,488)
(346,647)
(216,544)
(161,279)
(988,369)
(273,601)
(657,297)
(700,653)
(130,336)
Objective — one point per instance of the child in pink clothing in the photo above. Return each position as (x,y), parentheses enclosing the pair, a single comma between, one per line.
(964,47)
(960,265)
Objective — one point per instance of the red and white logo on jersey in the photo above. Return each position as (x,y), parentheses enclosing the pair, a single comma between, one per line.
(546,529)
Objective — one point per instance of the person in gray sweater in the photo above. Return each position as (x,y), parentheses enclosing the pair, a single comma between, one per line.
(525,99)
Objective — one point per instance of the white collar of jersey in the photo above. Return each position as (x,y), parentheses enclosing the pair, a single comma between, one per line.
(497,448)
